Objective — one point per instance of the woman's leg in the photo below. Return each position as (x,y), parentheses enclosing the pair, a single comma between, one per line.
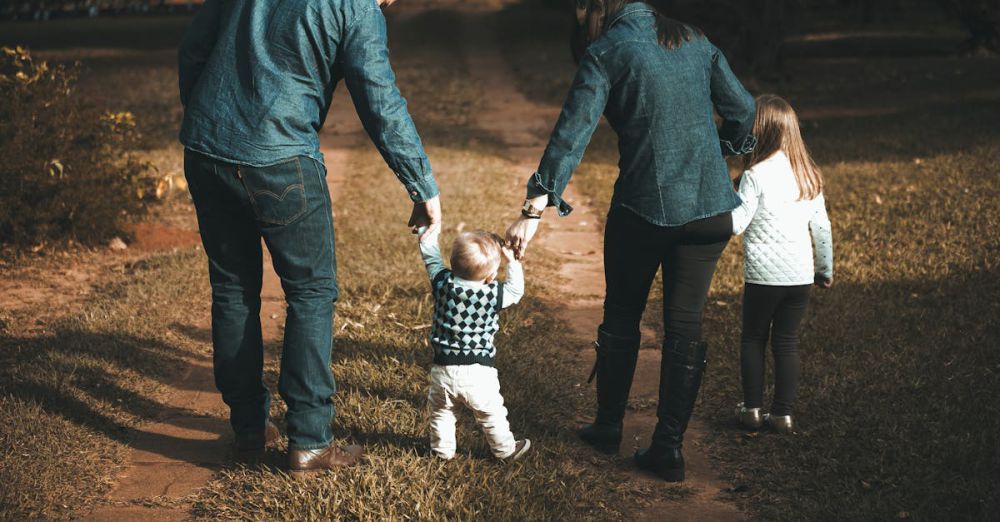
(630,264)
(759,303)
(632,252)
(688,267)
(785,344)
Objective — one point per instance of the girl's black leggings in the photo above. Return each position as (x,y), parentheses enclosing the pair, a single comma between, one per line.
(774,311)
(635,249)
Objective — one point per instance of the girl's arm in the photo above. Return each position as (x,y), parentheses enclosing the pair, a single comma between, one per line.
(822,236)
(750,194)
(580,114)
(735,105)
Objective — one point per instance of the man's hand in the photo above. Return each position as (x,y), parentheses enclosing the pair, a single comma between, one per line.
(385,3)
(823,282)
(426,214)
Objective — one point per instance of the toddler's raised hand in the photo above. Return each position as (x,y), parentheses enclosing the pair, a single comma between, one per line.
(508,253)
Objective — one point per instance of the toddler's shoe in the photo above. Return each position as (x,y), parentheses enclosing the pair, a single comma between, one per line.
(749,417)
(520,448)
(780,423)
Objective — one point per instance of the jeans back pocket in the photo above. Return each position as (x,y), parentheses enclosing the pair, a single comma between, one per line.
(277,192)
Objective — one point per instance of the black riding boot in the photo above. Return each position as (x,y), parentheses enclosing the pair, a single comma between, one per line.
(615,366)
(681,369)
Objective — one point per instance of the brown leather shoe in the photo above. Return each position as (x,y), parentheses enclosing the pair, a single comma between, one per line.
(251,445)
(303,462)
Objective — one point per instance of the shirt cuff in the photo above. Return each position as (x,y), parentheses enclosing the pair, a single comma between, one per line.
(421,190)
(746,146)
(537,188)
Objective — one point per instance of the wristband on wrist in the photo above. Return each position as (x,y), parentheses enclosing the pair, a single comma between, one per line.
(529,211)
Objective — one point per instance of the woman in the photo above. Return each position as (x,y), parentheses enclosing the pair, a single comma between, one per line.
(657,81)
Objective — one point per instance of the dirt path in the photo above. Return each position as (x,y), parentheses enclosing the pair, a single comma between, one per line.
(576,240)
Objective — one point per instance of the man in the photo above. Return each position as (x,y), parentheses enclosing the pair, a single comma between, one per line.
(256,80)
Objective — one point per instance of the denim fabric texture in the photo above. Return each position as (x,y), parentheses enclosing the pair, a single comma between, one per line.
(257,79)
(288,206)
(660,103)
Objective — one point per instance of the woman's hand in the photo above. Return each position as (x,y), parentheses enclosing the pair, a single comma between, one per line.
(520,233)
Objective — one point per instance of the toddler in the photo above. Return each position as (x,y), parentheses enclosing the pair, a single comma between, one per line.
(467,302)
(784,217)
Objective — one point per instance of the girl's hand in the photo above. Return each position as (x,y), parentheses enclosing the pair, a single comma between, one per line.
(823,282)
(520,233)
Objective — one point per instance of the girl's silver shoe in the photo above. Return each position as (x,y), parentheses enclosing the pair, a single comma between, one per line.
(780,423)
(749,417)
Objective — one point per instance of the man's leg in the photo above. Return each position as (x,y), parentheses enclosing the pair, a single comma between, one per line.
(232,243)
(292,203)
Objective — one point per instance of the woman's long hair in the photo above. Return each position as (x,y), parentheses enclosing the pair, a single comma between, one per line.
(777,129)
(597,14)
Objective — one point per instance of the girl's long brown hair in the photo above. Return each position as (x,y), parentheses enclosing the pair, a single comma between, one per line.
(597,14)
(777,129)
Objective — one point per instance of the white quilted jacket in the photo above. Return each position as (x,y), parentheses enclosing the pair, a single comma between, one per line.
(781,230)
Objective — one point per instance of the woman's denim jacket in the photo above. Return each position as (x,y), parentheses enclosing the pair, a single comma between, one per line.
(659,101)
(257,80)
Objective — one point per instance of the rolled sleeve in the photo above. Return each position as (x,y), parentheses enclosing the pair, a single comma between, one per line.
(536,188)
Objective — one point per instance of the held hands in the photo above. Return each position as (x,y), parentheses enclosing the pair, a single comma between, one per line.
(508,253)
(523,229)
(426,218)
(520,234)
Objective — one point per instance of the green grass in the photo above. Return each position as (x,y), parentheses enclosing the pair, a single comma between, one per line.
(899,362)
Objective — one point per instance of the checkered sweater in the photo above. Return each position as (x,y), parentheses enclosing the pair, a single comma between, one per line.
(466,313)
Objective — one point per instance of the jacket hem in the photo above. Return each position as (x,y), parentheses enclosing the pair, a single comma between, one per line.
(660,223)
(777,283)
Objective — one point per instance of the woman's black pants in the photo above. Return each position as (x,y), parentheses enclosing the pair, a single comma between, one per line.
(775,312)
(634,250)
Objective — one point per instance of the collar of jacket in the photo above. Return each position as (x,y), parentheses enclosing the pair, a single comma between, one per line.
(631,9)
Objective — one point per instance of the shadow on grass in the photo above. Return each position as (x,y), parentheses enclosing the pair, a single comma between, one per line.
(890,408)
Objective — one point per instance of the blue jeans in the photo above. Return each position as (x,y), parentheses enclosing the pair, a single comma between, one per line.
(288,206)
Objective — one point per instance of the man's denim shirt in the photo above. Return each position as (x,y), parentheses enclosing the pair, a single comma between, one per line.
(659,101)
(257,79)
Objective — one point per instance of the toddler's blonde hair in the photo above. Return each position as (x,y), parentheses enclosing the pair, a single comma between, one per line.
(475,255)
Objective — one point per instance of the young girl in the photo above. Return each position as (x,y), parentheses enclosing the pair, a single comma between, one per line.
(784,216)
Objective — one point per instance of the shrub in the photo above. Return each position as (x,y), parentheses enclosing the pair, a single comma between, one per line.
(68,170)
